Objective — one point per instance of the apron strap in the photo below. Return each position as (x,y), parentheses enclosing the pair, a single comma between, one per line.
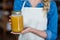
(24,4)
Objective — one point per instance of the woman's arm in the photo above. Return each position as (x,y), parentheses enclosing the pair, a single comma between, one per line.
(18,5)
(39,32)
(51,32)
(52,22)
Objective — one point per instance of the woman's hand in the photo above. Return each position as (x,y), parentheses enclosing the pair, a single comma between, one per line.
(26,30)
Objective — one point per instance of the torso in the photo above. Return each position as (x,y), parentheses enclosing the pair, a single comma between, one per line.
(35,18)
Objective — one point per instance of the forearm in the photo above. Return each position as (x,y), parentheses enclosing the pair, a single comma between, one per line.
(39,33)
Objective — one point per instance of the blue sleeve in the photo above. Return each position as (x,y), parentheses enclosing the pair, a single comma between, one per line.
(52,22)
(18,5)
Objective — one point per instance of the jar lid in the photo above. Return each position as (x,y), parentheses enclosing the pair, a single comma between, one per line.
(16,13)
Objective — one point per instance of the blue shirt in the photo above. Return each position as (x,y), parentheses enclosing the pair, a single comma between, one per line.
(52,16)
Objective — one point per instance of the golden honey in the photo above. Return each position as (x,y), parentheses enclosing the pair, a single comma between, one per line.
(17,23)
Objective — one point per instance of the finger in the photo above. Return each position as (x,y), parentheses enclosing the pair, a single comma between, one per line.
(14,33)
(9,20)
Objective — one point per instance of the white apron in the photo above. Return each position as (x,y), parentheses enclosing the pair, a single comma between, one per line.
(34,18)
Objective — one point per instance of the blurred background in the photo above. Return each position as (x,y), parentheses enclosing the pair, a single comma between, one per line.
(6,7)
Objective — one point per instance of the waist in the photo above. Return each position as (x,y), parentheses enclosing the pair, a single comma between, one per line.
(31,36)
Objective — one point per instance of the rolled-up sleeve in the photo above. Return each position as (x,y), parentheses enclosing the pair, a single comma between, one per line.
(52,22)
(18,5)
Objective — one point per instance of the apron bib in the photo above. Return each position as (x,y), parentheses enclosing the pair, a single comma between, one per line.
(34,18)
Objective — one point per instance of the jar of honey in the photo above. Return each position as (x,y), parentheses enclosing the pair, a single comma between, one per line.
(16,22)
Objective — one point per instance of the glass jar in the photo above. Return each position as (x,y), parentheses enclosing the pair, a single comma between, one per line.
(16,22)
